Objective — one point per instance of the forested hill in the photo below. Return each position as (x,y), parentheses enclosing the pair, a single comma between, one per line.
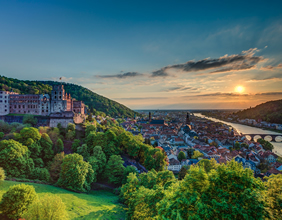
(270,111)
(91,99)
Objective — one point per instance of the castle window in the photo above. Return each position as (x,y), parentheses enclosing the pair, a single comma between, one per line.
(60,97)
(55,97)
(55,93)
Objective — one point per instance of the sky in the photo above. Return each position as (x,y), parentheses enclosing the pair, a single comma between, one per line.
(149,54)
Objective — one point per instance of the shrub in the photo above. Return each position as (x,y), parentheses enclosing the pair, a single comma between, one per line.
(75,145)
(16,200)
(40,174)
(1,135)
(49,207)
(2,174)
(59,147)
(30,119)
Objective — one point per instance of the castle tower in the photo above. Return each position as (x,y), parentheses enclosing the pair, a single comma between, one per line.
(58,99)
(188,118)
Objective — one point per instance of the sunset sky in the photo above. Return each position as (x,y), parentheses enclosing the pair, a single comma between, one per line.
(149,54)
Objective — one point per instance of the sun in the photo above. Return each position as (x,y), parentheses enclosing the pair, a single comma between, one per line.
(239,89)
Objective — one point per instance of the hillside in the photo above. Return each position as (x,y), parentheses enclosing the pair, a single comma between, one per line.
(91,99)
(270,111)
(94,205)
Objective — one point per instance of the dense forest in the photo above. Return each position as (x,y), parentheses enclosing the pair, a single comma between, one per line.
(94,101)
(270,111)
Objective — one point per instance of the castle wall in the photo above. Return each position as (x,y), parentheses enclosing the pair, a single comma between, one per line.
(64,122)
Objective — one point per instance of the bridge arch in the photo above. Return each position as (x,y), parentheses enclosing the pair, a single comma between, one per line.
(256,137)
(268,138)
(278,138)
(249,137)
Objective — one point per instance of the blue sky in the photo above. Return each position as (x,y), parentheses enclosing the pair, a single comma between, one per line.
(114,48)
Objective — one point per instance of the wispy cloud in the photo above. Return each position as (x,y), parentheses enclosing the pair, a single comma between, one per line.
(221,94)
(243,61)
(275,79)
(269,67)
(181,88)
(121,76)
(140,98)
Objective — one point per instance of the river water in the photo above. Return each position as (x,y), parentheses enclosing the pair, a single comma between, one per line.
(245,129)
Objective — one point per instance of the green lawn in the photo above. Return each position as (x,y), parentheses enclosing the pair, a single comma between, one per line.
(95,205)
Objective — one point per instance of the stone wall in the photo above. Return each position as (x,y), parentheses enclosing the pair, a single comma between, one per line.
(64,122)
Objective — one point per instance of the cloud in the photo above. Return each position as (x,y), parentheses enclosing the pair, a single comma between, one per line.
(266,79)
(221,94)
(180,88)
(269,67)
(140,98)
(121,76)
(243,61)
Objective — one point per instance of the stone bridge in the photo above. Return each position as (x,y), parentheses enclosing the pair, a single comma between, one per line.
(267,137)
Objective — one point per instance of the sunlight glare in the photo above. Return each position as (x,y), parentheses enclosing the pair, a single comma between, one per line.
(239,89)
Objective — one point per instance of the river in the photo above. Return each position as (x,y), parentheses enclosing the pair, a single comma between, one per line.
(245,129)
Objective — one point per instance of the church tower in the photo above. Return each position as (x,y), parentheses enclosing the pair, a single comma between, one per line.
(188,118)
(150,116)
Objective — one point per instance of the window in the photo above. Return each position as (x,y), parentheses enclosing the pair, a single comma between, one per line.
(55,97)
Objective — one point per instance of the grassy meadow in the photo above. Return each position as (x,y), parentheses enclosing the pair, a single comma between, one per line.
(94,205)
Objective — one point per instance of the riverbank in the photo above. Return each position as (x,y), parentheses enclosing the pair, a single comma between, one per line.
(245,129)
(263,128)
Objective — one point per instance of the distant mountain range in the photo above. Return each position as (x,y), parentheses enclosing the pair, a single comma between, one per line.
(270,111)
(94,101)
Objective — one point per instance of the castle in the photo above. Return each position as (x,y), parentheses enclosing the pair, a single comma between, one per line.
(60,107)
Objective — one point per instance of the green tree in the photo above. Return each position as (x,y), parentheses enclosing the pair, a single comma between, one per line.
(47,152)
(127,189)
(47,207)
(197,154)
(127,171)
(190,152)
(71,127)
(114,169)
(83,151)
(1,135)
(59,147)
(90,128)
(2,174)
(76,143)
(29,132)
(181,156)
(100,157)
(265,144)
(237,146)
(30,119)
(14,158)
(76,174)
(55,167)
(208,165)
(274,196)
(182,173)
(229,192)
(16,201)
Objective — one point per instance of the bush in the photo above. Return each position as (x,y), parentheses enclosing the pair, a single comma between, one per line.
(1,135)
(16,200)
(49,207)
(59,147)
(40,174)
(75,145)
(2,174)
(29,119)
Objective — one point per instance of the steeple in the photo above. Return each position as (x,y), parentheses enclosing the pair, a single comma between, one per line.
(188,118)
(150,116)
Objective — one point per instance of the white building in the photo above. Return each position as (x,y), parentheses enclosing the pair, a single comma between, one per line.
(4,102)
